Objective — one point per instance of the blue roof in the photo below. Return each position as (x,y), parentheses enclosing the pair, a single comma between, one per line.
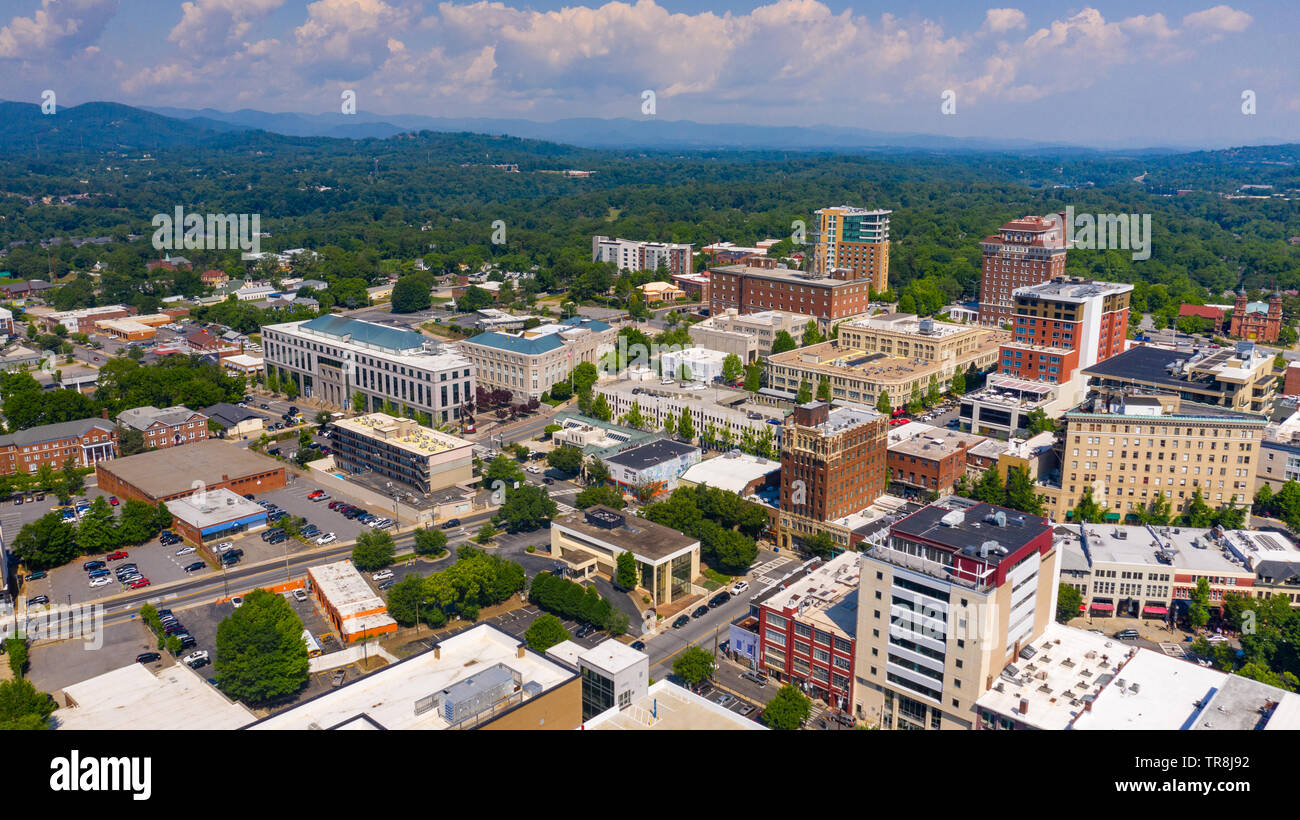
(1257,307)
(590,324)
(369,333)
(517,344)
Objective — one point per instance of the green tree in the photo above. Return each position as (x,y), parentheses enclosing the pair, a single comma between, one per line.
(788,710)
(23,707)
(932,394)
(545,631)
(16,649)
(261,656)
(1198,613)
(130,441)
(914,402)
(584,376)
(958,385)
(882,403)
(597,472)
(600,408)
(599,495)
(412,293)
(374,550)
(1157,512)
(485,534)
(810,334)
(686,427)
(1038,422)
(820,544)
(1020,492)
(406,601)
(693,666)
(135,523)
(96,532)
(45,543)
(634,417)
(358,402)
(430,541)
(783,342)
(1068,600)
(732,369)
(1198,513)
(1088,511)
(754,377)
(805,393)
(505,469)
(824,389)
(990,487)
(73,483)
(625,575)
(527,507)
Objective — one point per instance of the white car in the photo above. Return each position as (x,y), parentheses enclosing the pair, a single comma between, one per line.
(382,575)
(327,538)
(185,551)
(225,546)
(236,602)
(100,582)
(739,587)
(198,655)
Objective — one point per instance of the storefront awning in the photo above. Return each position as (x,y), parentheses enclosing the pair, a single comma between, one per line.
(1154,610)
(1104,607)
(1083,608)
(1112,516)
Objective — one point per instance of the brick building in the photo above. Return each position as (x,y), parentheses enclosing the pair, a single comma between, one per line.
(1024,252)
(1256,321)
(85,441)
(751,290)
(169,427)
(832,465)
(929,463)
(1064,325)
(210,464)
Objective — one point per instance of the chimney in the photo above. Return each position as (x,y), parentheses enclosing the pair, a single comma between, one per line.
(437,652)
(1024,706)
(103,414)
(521,651)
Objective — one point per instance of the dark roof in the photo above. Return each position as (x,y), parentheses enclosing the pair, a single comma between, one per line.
(643,537)
(974,529)
(228,415)
(648,455)
(1140,364)
(55,432)
(1279,572)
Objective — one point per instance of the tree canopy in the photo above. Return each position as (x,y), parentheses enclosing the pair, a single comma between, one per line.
(261,656)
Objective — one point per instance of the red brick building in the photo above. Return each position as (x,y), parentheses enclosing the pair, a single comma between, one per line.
(168,427)
(929,463)
(1213,314)
(1025,252)
(1064,325)
(1255,321)
(210,464)
(751,290)
(86,441)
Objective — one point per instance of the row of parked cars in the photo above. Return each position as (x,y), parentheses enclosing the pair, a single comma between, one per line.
(128,575)
(352,512)
(172,627)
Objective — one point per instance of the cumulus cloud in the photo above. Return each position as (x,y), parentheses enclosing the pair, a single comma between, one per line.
(1000,20)
(1219,19)
(59,28)
(208,26)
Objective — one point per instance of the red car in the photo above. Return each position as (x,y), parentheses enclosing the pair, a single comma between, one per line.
(120,554)
(315,493)
(112,499)
(138,583)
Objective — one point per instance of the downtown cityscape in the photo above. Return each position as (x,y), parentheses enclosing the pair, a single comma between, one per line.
(383,365)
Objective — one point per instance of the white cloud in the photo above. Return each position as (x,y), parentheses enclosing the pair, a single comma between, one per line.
(1000,20)
(1219,19)
(208,26)
(59,28)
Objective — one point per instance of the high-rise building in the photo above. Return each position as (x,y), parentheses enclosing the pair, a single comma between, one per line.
(832,465)
(1064,325)
(856,241)
(630,254)
(948,597)
(1024,252)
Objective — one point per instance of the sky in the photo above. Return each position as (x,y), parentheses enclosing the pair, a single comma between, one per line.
(1108,74)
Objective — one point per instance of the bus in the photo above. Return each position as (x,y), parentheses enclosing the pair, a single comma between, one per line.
(314,649)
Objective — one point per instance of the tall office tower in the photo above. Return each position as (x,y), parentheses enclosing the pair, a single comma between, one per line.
(1025,252)
(1064,325)
(853,243)
(832,465)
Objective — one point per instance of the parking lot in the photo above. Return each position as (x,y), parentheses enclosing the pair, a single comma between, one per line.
(62,663)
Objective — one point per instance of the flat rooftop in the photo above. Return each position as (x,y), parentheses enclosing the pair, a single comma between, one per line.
(914,325)
(1071,290)
(648,455)
(404,433)
(388,696)
(613,656)
(210,460)
(1170,694)
(935,445)
(731,471)
(785,275)
(643,537)
(1243,704)
(846,362)
(211,507)
(963,526)
(133,698)
(345,588)
(1177,547)
(668,707)
(817,595)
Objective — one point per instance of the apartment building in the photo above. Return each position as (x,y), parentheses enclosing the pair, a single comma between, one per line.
(749,289)
(401,450)
(807,630)
(929,463)
(722,413)
(1240,379)
(1024,252)
(1279,456)
(530,362)
(747,335)
(168,427)
(332,358)
(948,597)
(855,240)
(1002,408)
(1271,556)
(634,255)
(856,375)
(832,465)
(1064,325)
(85,441)
(1130,448)
(907,336)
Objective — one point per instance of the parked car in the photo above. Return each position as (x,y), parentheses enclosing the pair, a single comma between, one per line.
(194,656)
(147,657)
(195,567)
(272,533)
(185,551)
(112,499)
(584,630)
(719,599)
(99,573)
(225,546)
(388,583)
(700,612)
(173,628)
(37,575)
(681,621)
(120,554)
(638,645)
(757,678)
(454,522)
(327,538)
(739,587)
(187,641)
(1127,634)
(139,583)
(99,582)
(89,565)
(340,675)
(38,600)
(382,575)
(725,699)
(300,595)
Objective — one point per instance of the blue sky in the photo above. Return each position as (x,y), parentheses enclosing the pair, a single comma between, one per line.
(1141,72)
